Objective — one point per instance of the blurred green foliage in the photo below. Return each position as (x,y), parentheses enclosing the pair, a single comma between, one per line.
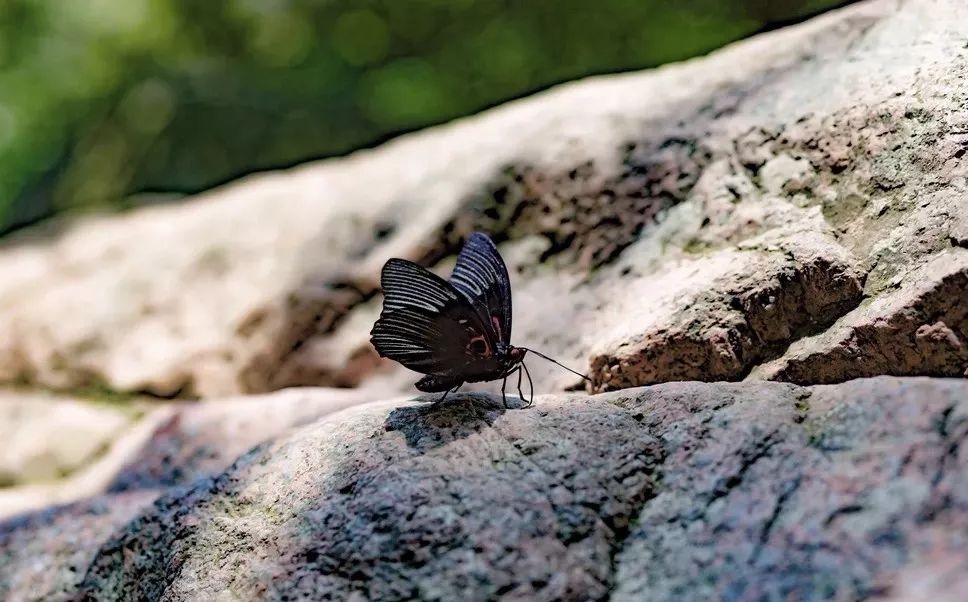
(104,99)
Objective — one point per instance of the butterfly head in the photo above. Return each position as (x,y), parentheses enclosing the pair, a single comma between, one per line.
(513,356)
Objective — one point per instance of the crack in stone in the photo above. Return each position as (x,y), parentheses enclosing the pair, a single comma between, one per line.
(618,533)
(952,440)
(761,450)
(809,329)
(842,511)
(787,493)
(621,535)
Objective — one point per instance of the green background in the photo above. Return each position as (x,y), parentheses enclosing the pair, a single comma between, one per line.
(106,104)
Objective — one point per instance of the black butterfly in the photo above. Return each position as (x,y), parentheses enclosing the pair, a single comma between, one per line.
(453,332)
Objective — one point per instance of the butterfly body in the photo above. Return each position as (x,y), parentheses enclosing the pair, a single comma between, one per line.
(453,331)
(505,363)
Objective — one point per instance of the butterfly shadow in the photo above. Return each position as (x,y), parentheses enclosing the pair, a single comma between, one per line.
(427,427)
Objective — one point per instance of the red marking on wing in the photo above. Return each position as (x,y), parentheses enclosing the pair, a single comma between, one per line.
(487,347)
(497,328)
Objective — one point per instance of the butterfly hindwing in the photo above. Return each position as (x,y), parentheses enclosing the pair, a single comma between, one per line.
(481,276)
(427,325)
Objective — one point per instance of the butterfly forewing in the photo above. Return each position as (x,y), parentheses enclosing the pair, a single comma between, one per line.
(481,276)
(427,325)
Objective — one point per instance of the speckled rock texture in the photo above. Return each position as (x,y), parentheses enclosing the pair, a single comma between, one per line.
(763,204)
(787,217)
(742,491)
(43,555)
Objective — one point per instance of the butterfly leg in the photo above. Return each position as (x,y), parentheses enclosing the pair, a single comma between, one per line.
(520,394)
(504,383)
(530,382)
(449,391)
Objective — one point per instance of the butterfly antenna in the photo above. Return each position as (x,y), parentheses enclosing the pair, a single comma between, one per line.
(554,361)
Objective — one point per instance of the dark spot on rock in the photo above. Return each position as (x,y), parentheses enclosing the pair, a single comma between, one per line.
(384,230)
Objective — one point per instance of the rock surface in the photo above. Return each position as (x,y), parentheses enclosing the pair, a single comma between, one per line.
(920,326)
(703,216)
(42,556)
(686,490)
(45,437)
(172,444)
(790,213)
(199,440)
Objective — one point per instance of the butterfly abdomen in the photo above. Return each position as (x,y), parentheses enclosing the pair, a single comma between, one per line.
(436,384)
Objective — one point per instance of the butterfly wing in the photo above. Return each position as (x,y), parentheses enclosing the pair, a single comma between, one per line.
(428,326)
(481,276)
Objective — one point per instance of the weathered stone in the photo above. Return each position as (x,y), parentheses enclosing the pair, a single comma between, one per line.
(921,327)
(845,129)
(46,437)
(677,491)
(90,479)
(958,232)
(175,444)
(789,208)
(203,439)
(824,495)
(728,311)
(43,556)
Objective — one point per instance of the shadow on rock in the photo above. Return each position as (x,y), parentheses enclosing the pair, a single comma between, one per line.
(427,427)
